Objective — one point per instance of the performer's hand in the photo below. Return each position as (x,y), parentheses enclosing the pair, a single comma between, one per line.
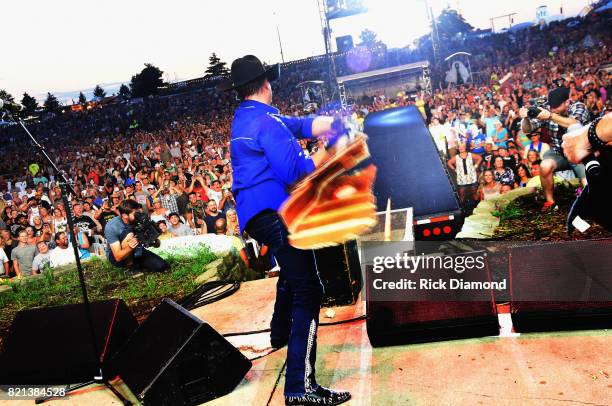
(339,126)
(340,131)
(576,145)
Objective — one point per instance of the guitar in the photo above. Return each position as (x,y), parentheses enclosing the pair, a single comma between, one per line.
(332,205)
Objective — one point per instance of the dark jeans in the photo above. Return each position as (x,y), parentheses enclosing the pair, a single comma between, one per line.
(142,259)
(298,301)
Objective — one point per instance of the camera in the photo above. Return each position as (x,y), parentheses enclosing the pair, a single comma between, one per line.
(534,111)
(537,104)
(147,232)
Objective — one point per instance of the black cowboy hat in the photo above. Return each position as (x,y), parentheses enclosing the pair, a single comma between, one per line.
(246,70)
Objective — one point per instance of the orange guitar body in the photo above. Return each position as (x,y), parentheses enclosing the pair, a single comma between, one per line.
(329,206)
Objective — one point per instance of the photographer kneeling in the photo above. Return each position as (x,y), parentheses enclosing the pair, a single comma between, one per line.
(563,114)
(124,250)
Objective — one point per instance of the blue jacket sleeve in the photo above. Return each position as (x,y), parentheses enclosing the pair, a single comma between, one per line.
(284,154)
(300,127)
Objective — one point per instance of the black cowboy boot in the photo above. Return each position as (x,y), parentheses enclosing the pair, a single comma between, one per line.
(321,396)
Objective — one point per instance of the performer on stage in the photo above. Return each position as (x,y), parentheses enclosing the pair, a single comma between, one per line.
(266,160)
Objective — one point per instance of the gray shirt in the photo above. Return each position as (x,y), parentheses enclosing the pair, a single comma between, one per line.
(24,255)
(180,230)
(40,261)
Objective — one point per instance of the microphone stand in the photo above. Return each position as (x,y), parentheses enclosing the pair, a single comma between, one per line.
(65,187)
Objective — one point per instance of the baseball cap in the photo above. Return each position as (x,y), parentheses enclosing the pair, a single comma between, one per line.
(558,96)
(129,182)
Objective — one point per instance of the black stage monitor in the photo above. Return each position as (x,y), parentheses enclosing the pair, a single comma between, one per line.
(410,170)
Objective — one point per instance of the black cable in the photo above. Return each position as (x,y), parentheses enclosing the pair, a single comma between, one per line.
(267,330)
(207,294)
(333,323)
(265,355)
(209,297)
(246,333)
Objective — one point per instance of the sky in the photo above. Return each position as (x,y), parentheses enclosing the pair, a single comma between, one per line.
(67,46)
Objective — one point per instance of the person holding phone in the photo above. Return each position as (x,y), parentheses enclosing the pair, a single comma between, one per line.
(228,202)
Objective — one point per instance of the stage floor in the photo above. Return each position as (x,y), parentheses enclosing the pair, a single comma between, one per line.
(531,369)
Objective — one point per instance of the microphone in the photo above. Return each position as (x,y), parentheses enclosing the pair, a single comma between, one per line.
(8,104)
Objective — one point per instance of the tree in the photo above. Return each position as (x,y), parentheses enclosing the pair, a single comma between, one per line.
(147,82)
(368,39)
(124,92)
(7,97)
(82,98)
(29,104)
(451,23)
(99,92)
(215,67)
(51,104)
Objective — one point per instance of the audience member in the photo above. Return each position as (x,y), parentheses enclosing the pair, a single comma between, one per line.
(177,227)
(23,255)
(42,259)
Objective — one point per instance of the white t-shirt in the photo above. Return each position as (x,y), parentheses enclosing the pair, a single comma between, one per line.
(46,199)
(3,260)
(33,213)
(438,133)
(541,149)
(60,256)
(21,186)
(216,196)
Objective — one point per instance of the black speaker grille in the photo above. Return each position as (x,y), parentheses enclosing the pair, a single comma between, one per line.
(53,345)
(175,358)
(561,286)
(401,322)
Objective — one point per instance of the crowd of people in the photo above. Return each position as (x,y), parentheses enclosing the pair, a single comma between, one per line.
(483,129)
(170,153)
